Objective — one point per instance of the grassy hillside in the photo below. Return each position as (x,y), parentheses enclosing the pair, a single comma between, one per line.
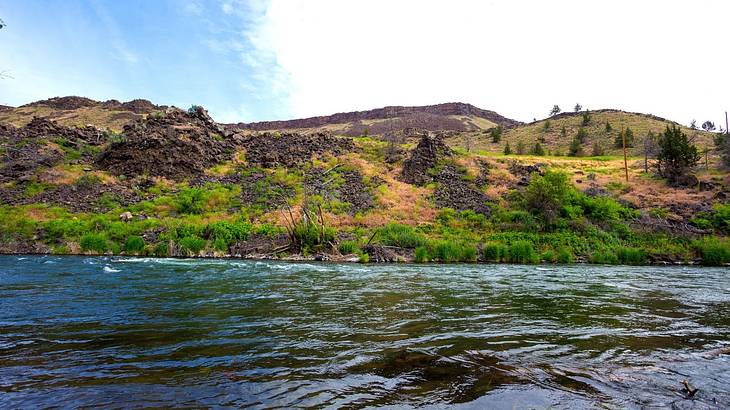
(553,139)
(177,184)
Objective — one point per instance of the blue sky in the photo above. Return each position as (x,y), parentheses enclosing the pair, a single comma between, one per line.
(252,60)
(171,52)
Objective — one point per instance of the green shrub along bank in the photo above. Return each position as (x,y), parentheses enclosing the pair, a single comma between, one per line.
(549,221)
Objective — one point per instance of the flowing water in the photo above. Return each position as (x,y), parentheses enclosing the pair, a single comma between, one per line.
(115,332)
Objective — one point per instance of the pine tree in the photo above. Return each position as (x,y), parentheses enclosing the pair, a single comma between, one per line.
(619,141)
(507,149)
(608,127)
(520,148)
(575,149)
(496,134)
(537,149)
(581,135)
(677,155)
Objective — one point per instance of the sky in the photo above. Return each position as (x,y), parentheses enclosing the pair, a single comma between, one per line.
(262,60)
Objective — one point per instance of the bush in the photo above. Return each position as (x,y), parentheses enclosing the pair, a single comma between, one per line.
(545,195)
(565,256)
(602,209)
(713,251)
(160,250)
(604,258)
(310,236)
(403,236)
(191,201)
(349,247)
(447,251)
(422,255)
(192,245)
(522,252)
(721,217)
(549,256)
(224,233)
(134,244)
(94,242)
(631,256)
(494,252)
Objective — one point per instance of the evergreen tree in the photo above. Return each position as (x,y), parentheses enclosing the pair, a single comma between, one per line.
(619,141)
(507,149)
(575,149)
(586,118)
(581,135)
(722,143)
(677,155)
(608,127)
(537,149)
(578,107)
(496,134)
(555,111)
(520,148)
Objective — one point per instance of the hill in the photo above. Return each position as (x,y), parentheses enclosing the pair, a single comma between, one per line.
(448,116)
(80,111)
(602,128)
(82,176)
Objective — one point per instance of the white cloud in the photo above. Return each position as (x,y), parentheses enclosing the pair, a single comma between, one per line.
(517,57)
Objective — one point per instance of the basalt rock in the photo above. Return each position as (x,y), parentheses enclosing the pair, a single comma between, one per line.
(426,155)
(456,193)
(346,186)
(292,149)
(176,145)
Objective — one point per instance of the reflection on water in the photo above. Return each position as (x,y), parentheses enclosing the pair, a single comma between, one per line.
(162,332)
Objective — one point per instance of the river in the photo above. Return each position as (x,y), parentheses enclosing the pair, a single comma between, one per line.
(133,332)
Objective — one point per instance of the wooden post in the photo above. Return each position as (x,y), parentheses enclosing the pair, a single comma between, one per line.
(726,130)
(626,163)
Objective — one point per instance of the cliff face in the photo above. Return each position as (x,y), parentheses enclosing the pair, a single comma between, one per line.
(439,117)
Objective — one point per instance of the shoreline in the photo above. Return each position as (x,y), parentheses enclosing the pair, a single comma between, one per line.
(354,259)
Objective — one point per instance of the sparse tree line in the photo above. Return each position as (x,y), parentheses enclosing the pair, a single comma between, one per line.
(672,154)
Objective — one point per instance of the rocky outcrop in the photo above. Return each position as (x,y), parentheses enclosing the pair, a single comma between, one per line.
(429,151)
(176,145)
(429,111)
(292,149)
(138,106)
(456,193)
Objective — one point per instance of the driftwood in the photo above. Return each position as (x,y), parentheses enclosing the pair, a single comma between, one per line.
(688,389)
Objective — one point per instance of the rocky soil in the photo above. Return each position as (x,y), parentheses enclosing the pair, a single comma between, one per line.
(427,154)
(441,111)
(176,145)
(454,192)
(26,149)
(346,186)
(292,149)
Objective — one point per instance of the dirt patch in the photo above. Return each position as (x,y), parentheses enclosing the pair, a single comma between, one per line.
(177,145)
(428,152)
(292,149)
(344,185)
(456,193)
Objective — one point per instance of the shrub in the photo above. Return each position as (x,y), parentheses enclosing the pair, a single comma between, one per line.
(403,236)
(676,154)
(134,244)
(564,256)
(422,255)
(604,258)
(522,252)
(545,195)
(601,208)
(224,233)
(494,252)
(192,245)
(549,256)
(712,251)
(160,249)
(349,247)
(721,217)
(310,236)
(364,258)
(448,251)
(191,201)
(94,242)
(631,256)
